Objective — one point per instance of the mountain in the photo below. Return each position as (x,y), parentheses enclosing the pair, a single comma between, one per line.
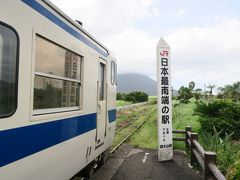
(136,82)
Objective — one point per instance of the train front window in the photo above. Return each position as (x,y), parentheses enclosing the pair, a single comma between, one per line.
(8,68)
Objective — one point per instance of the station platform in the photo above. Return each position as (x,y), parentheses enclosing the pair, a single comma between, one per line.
(129,163)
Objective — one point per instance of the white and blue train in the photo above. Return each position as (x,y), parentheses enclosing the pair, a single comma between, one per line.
(57,93)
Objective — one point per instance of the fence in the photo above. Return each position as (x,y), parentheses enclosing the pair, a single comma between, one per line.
(206,159)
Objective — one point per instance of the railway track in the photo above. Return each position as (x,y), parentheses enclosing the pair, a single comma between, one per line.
(134,130)
(128,123)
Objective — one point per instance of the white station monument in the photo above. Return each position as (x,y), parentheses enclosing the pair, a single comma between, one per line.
(164,93)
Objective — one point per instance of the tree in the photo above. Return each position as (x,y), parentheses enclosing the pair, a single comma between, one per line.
(197,94)
(120,96)
(191,85)
(211,87)
(136,96)
(198,90)
(230,91)
(184,94)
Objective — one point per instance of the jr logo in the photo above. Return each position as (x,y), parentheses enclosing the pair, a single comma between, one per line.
(164,53)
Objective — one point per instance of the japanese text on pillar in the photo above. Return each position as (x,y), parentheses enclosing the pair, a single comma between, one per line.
(165,99)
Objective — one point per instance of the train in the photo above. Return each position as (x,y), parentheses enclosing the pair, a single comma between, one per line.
(57,94)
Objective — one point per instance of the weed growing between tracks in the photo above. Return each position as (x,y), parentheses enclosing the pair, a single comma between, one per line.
(146,136)
(138,115)
(124,116)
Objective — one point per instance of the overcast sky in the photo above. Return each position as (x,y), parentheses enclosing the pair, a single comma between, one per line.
(204,35)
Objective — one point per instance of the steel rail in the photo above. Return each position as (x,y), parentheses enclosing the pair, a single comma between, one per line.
(119,144)
(130,122)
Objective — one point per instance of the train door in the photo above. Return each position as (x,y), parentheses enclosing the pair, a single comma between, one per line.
(101,106)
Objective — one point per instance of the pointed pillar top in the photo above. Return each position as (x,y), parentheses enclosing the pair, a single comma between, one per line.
(162,43)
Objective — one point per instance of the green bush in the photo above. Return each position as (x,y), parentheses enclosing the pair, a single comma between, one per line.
(185,94)
(226,151)
(137,96)
(121,96)
(223,115)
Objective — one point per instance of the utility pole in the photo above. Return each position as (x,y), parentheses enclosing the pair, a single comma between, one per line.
(204,92)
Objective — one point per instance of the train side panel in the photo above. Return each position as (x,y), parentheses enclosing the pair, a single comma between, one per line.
(52,145)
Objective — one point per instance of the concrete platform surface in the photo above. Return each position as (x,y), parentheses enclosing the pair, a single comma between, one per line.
(129,163)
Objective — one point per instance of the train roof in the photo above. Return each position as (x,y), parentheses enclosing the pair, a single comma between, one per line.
(74,23)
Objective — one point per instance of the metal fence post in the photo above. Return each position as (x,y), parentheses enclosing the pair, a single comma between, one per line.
(187,128)
(194,136)
(209,157)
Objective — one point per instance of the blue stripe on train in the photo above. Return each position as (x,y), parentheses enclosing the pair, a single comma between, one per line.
(45,12)
(21,142)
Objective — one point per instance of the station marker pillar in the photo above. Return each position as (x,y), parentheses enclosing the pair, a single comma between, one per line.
(164,99)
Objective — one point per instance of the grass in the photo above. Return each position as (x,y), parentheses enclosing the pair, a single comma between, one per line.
(123,103)
(146,136)
(125,117)
(183,115)
(152,98)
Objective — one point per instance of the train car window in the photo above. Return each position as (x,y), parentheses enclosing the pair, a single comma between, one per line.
(57,81)
(113,73)
(8,70)
(101,81)
(56,60)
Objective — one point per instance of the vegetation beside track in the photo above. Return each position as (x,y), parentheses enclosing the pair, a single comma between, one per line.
(123,103)
(136,115)
(146,136)
(228,151)
(127,114)
(183,115)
